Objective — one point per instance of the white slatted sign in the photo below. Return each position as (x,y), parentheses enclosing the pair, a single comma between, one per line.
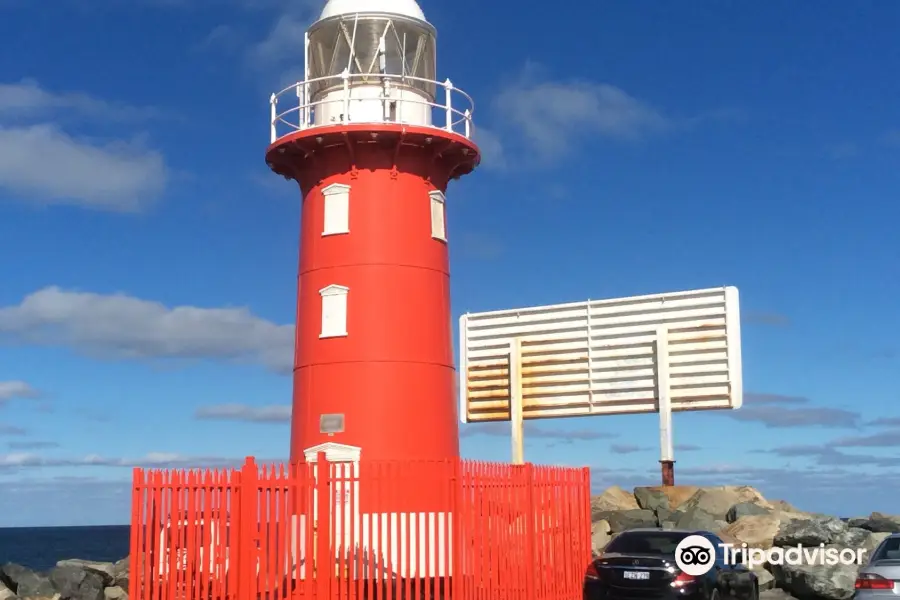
(599,357)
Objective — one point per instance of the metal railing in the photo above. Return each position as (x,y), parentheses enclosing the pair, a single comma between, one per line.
(449,116)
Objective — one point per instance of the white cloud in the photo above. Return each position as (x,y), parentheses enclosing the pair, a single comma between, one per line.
(222,37)
(32,445)
(536,431)
(779,412)
(42,163)
(152,460)
(15,390)
(283,40)
(10,430)
(540,119)
(493,155)
(280,51)
(28,98)
(480,246)
(122,326)
(550,115)
(279,413)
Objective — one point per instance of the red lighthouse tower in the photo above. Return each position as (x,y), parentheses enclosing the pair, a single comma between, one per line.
(373,138)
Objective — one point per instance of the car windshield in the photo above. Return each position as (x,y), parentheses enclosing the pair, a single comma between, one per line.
(646,542)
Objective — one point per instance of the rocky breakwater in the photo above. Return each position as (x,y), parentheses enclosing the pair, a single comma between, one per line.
(740,514)
(69,580)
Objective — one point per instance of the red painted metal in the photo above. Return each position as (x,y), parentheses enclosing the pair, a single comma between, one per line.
(512,531)
(393,375)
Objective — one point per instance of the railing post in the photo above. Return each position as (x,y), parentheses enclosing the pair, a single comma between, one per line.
(345,75)
(301,111)
(448,105)
(468,123)
(249,530)
(273,115)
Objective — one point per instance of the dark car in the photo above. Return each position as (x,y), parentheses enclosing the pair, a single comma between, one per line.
(641,563)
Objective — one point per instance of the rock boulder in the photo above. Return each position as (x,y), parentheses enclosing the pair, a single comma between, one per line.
(718,501)
(614,498)
(651,498)
(77,583)
(24,582)
(121,573)
(878,523)
(5,592)
(72,579)
(107,571)
(697,518)
(744,509)
(668,519)
(757,531)
(817,581)
(115,593)
(810,532)
(624,520)
(600,535)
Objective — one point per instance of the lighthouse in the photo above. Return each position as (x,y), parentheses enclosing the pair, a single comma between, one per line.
(373,137)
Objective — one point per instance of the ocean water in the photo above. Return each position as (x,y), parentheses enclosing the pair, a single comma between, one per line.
(40,548)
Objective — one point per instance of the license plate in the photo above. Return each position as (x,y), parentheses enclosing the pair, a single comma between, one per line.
(641,575)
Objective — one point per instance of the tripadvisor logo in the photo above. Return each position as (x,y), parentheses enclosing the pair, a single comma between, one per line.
(695,555)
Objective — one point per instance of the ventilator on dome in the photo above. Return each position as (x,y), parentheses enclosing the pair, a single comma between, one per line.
(370,62)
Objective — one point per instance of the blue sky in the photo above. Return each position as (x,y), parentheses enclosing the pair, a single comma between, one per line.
(149,258)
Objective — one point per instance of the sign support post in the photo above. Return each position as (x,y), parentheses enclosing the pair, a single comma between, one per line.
(516,408)
(663,393)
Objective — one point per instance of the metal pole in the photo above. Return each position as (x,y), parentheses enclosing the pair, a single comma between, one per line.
(666,448)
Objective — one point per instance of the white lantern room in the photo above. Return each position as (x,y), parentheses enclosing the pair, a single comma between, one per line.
(370,62)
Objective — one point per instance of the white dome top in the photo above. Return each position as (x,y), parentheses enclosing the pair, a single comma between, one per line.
(406,8)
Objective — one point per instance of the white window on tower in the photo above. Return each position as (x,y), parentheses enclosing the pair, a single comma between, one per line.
(334,311)
(438,216)
(336,209)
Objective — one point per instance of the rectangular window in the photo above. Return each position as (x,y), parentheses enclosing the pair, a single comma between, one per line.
(438,225)
(334,311)
(336,209)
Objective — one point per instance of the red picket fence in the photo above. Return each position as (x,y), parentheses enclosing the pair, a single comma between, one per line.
(459,530)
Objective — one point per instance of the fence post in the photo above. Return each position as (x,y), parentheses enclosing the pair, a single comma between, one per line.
(586,484)
(324,564)
(138,535)
(530,558)
(249,529)
(459,543)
